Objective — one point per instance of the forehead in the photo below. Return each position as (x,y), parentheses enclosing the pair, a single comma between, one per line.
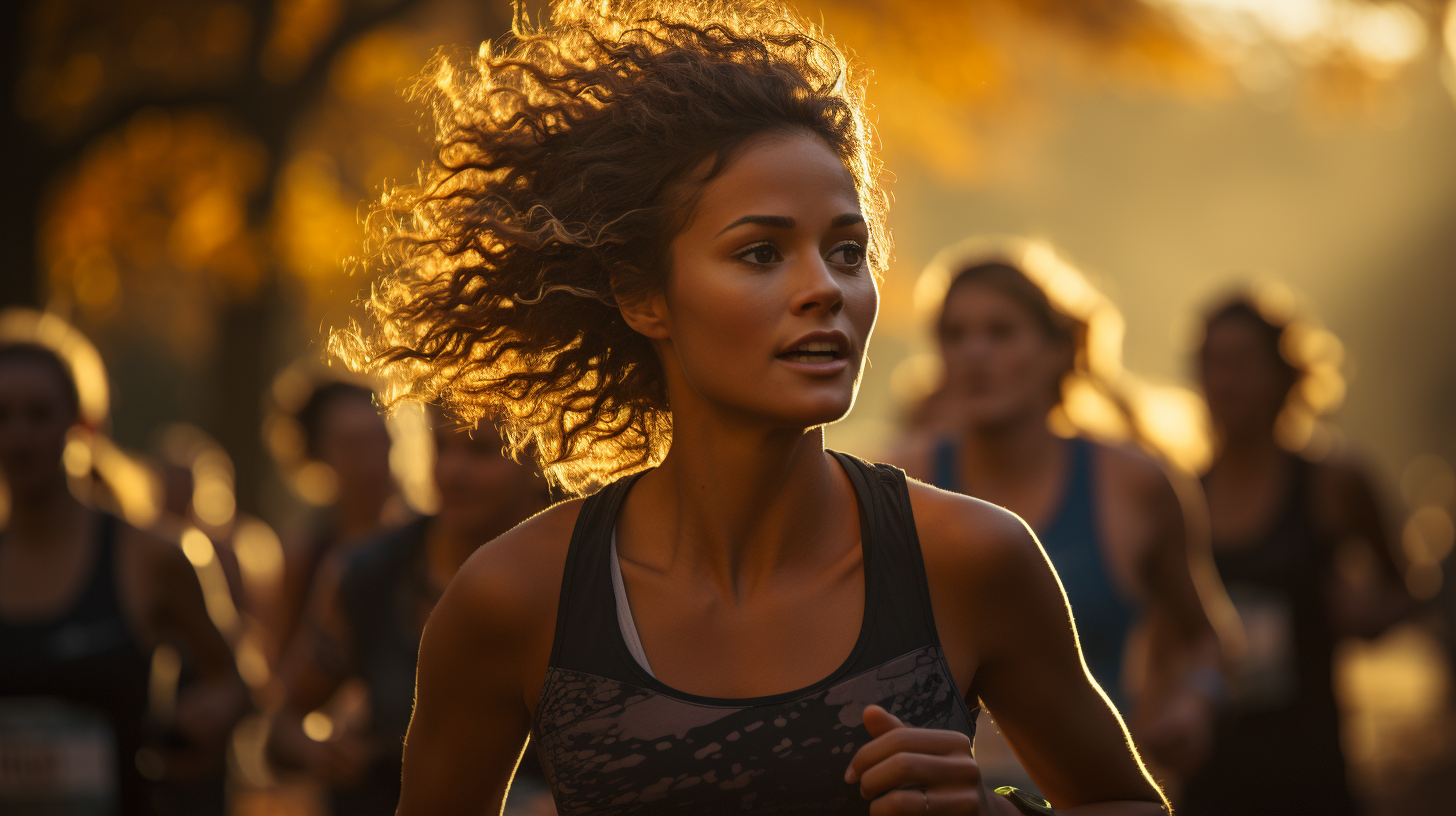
(776,173)
(28,376)
(983,298)
(1235,334)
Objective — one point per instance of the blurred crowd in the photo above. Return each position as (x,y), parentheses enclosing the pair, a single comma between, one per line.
(163,651)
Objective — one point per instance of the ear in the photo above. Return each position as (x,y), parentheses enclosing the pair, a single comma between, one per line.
(647,314)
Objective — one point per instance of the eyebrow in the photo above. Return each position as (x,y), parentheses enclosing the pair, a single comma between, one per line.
(785,222)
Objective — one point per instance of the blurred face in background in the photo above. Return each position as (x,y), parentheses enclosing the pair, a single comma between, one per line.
(354,441)
(1001,366)
(1243,378)
(480,488)
(35,414)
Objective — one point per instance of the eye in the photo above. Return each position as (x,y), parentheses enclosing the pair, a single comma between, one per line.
(848,253)
(760,254)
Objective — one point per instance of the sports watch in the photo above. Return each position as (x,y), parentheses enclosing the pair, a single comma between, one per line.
(1027,803)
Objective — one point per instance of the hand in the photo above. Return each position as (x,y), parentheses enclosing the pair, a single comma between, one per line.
(914,771)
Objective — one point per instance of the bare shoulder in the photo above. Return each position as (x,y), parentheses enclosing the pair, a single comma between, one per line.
(1343,493)
(159,585)
(989,579)
(967,539)
(513,583)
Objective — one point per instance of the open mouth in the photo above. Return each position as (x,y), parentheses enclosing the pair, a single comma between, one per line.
(814,352)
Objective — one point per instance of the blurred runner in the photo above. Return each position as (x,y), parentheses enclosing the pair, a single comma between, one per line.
(1303,549)
(366,616)
(1108,517)
(344,431)
(84,601)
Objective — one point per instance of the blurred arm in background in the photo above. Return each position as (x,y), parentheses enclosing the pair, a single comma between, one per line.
(318,661)
(1366,592)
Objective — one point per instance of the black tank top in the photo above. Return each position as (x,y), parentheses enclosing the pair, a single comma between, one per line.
(1277,742)
(614,740)
(87,658)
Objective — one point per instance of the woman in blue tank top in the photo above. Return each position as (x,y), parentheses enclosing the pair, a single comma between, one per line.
(649,253)
(1108,518)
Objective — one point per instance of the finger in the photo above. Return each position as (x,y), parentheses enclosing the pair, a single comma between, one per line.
(914,802)
(879,721)
(924,770)
(906,740)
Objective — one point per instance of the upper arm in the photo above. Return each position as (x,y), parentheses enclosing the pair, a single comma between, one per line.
(484,648)
(319,657)
(1176,537)
(1349,501)
(990,573)
(177,607)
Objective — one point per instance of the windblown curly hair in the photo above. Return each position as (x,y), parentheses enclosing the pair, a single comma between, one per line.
(561,176)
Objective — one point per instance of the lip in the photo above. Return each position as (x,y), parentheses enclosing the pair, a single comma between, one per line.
(820,369)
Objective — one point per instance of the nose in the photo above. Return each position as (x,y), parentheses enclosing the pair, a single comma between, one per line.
(817,288)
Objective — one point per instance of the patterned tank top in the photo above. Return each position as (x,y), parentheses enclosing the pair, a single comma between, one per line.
(613,739)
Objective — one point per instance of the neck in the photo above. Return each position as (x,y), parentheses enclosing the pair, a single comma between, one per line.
(1007,453)
(1248,451)
(39,516)
(736,503)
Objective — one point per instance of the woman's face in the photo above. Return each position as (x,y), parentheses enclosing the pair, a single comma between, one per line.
(1244,383)
(770,301)
(34,418)
(354,441)
(1001,367)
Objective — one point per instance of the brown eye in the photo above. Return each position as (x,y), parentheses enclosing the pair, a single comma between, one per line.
(847,254)
(761,254)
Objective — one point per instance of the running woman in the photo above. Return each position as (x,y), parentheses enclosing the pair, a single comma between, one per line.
(648,252)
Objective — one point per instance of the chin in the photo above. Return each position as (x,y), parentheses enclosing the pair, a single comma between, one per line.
(988,415)
(813,413)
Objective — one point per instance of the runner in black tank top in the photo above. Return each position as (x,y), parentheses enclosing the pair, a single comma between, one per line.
(1277,747)
(86,658)
(84,599)
(615,740)
(661,255)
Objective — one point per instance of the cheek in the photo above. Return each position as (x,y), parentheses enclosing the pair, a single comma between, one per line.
(722,321)
(862,303)
(1029,365)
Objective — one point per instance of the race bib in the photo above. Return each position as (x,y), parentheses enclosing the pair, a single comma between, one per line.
(55,758)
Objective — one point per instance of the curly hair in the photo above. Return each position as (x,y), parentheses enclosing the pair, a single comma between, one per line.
(564,169)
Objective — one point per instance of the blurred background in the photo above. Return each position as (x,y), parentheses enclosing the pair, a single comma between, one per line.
(187,180)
